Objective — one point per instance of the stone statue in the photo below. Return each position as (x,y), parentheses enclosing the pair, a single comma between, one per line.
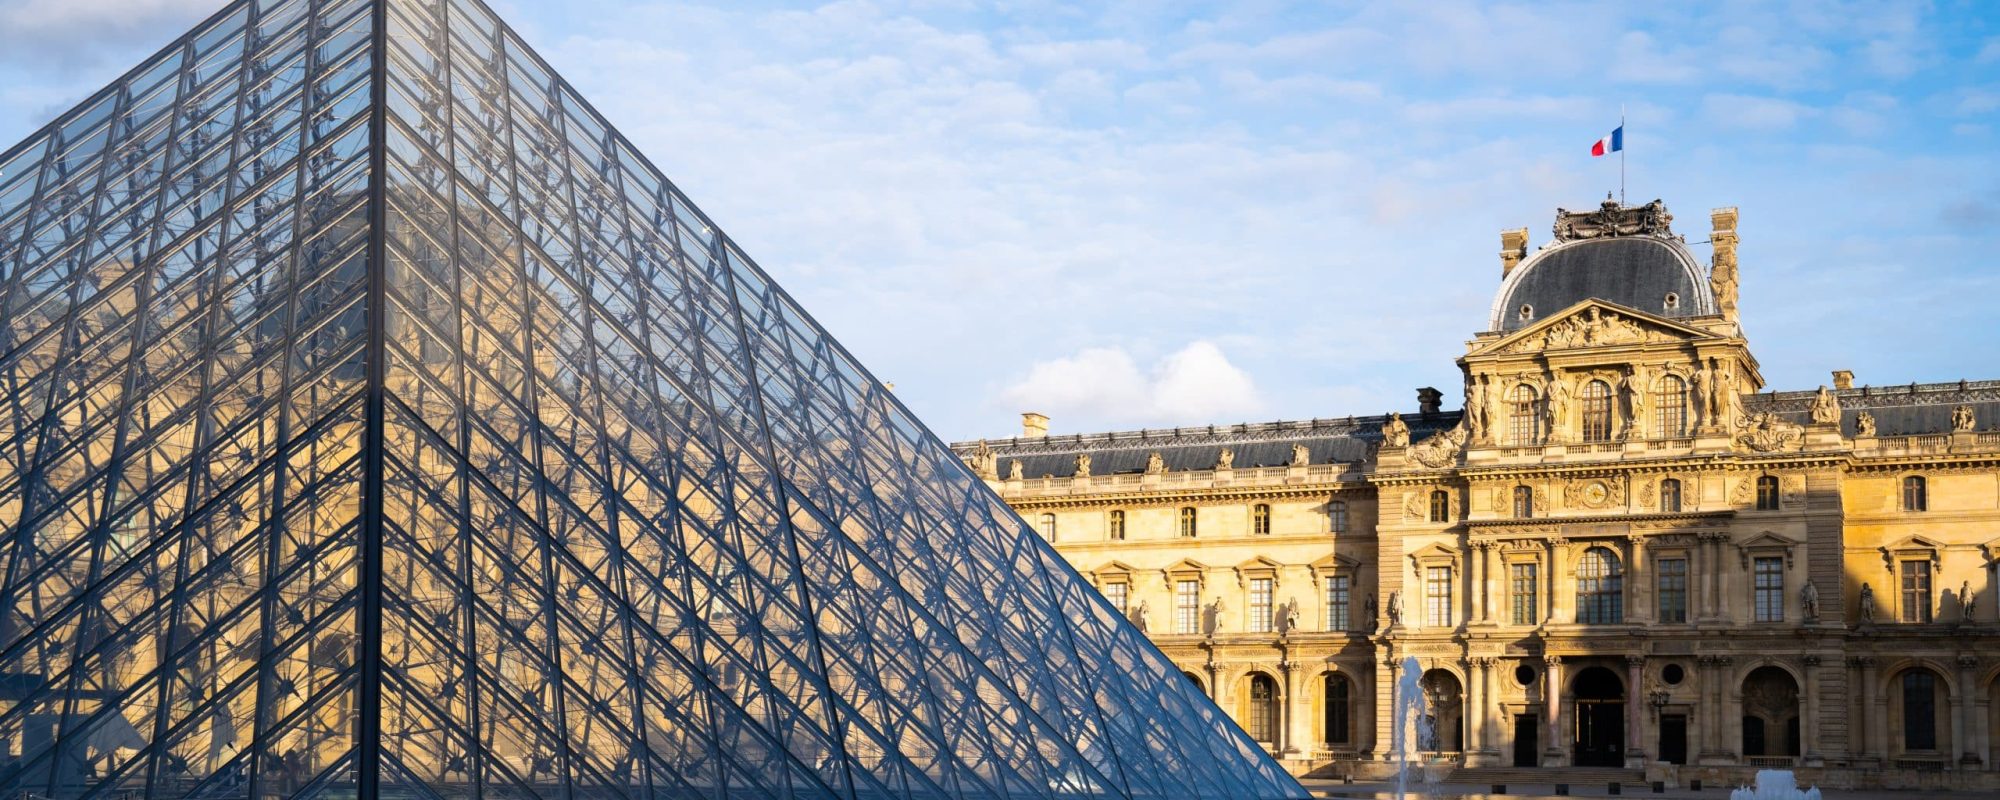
(1967,602)
(1138,615)
(1765,433)
(1301,456)
(1476,418)
(1703,389)
(1440,449)
(1395,609)
(985,463)
(1289,620)
(1373,613)
(1558,406)
(1809,600)
(1962,419)
(1722,277)
(1867,604)
(1728,397)
(1155,465)
(1864,424)
(1211,618)
(1227,460)
(1014,470)
(1395,433)
(1632,397)
(1825,408)
(1083,465)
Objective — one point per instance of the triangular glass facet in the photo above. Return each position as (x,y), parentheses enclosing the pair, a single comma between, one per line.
(379,422)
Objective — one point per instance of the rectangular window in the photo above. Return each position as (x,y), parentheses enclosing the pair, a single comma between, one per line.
(1437,597)
(1260,520)
(1187,606)
(1260,605)
(1916,591)
(1117,593)
(1767,493)
(1770,583)
(1336,512)
(1337,593)
(1117,526)
(1526,590)
(1673,574)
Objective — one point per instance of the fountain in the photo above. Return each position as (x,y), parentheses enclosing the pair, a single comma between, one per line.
(1775,784)
(1412,726)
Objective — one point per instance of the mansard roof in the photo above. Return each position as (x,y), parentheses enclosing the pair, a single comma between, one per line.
(1903,410)
(1623,255)
(1267,444)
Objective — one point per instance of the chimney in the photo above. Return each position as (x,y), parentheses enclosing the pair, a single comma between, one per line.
(1429,401)
(1034,426)
(1513,248)
(1843,379)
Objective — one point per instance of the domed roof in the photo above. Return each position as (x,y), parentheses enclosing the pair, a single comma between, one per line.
(1617,254)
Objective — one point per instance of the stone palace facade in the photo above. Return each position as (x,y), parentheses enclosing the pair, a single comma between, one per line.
(1622,552)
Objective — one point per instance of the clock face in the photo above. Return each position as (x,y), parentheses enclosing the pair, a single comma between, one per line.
(1595,493)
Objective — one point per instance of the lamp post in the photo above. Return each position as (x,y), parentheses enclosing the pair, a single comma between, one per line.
(1658,700)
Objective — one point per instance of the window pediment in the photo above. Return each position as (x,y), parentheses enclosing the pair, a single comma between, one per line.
(1259,567)
(1185,569)
(1914,547)
(1766,543)
(1335,564)
(1433,556)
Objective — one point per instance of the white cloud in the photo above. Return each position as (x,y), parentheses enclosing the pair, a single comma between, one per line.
(1754,113)
(1097,385)
(74,31)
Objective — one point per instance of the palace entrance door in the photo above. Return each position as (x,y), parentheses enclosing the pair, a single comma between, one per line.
(1600,719)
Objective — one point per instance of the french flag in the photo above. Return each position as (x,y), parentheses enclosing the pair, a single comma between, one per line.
(1610,144)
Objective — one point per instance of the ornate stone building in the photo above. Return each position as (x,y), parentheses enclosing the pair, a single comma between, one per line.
(1622,552)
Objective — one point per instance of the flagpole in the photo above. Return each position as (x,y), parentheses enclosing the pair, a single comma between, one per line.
(1621,154)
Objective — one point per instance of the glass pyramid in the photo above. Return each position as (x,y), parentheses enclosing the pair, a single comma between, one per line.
(379,423)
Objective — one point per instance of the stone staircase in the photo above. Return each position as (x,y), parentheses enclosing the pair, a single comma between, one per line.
(1633,780)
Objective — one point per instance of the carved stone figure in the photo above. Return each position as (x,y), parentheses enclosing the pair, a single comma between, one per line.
(1395,432)
(1083,465)
(1765,433)
(985,463)
(1014,470)
(1477,415)
(1722,278)
(1138,615)
(1558,406)
(1288,620)
(1864,424)
(1967,601)
(1703,389)
(1825,408)
(1440,450)
(1593,327)
(1395,609)
(1227,460)
(1867,603)
(1301,456)
(1728,396)
(1211,618)
(1372,613)
(1962,418)
(1613,219)
(1809,600)
(1632,401)
(1155,464)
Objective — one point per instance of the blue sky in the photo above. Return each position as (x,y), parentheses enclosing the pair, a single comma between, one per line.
(1153,213)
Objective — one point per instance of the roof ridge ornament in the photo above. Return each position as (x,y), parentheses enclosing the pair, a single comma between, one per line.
(1612,219)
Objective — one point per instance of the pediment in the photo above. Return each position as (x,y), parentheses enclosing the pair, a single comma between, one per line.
(1259,566)
(1766,542)
(1913,542)
(1593,323)
(1435,554)
(1336,563)
(1112,569)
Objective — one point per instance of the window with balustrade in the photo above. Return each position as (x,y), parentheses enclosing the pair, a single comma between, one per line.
(1596,412)
(1524,417)
(1600,588)
(1670,407)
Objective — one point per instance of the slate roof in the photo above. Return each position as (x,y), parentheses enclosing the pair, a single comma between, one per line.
(1905,410)
(1633,271)
(1265,444)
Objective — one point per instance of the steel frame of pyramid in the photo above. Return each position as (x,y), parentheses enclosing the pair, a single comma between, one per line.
(379,423)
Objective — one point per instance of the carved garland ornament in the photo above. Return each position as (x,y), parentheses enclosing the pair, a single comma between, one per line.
(1440,450)
(1766,433)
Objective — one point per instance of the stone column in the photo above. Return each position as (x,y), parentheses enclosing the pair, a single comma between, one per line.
(1559,610)
(1557,752)
(1711,547)
(1872,720)
(1698,585)
(1809,710)
(1962,724)
(1487,554)
(1293,737)
(1489,733)
(1709,703)
(1384,711)
(1475,576)
(1636,607)
(1472,711)
(1729,697)
(1635,711)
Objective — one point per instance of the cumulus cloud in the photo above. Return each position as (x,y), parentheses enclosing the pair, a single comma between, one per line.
(75,32)
(1099,385)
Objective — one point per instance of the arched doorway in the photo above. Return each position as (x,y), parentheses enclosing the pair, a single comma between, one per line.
(1770,713)
(1196,680)
(1920,714)
(1261,714)
(1337,708)
(1599,725)
(1445,698)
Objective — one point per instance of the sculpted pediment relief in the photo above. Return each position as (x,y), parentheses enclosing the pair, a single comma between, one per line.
(1593,323)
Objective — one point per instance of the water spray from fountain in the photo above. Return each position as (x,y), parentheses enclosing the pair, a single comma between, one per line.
(1412,728)
(1775,784)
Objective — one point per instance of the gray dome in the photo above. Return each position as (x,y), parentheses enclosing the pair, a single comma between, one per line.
(1651,273)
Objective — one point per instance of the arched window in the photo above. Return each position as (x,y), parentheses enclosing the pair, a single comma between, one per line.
(1440,506)
(1670,407)
(1767,493)
(1524,502)
(1670,496)
(1187,522)
(1339,719)
(1049,527)
(1263,719)
(1597,412)
(1260,519)
(1336,512)
(1118,526)
(1919,710)
(1524,419)
(1916,496)
(1600,588)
